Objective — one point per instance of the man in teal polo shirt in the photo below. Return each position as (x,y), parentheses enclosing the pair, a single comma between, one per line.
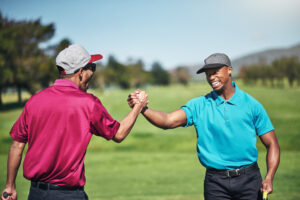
(227,121)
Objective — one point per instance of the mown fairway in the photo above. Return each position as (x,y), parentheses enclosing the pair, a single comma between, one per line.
(162,164)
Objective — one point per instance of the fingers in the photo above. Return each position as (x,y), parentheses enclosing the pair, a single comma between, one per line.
(143,98)
(6,195)
(138,97)
(267,186)
(132,99)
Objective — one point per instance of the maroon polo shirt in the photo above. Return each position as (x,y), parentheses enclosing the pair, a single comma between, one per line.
(58,124)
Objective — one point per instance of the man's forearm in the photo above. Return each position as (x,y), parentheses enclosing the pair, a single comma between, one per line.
(156,118)
(273,158)
(127,123)
(165,120)
(13,162)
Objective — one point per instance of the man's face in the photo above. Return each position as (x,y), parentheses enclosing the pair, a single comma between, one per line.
(218,77)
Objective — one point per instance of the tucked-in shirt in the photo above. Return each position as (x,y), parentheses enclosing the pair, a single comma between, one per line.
(227,130)
(58,124)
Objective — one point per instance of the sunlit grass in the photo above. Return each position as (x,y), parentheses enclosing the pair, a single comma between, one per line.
(162,164)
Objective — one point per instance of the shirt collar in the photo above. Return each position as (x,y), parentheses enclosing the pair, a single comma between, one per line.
(219,100)
(233,100)
(66,83)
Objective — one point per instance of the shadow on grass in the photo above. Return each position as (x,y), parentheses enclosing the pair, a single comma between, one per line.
(5,145)
(143,135)
(125,148)
(12,106)
(6,140)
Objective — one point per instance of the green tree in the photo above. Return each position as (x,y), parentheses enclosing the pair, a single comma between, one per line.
(22,51)
(62,45)
(279,68)
(6,74)
(160,76)
(115,73)
(138,76)
(290,66)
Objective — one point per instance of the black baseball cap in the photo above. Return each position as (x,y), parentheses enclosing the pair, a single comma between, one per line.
(215,60)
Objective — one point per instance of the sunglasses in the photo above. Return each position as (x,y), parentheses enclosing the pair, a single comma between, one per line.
(90,66)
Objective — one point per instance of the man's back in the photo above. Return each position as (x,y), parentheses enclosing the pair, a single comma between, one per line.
(58,123)
(58,133)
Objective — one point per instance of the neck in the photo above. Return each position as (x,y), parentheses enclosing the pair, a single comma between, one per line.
(227,91)
(71,77)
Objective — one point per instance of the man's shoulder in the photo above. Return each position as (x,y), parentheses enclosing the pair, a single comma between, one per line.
(247,98)
(87,98)
(197,99)
(39,94)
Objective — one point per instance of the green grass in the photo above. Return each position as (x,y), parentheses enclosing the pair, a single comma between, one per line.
(162,164)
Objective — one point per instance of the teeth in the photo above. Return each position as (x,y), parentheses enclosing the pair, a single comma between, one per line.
(215,83)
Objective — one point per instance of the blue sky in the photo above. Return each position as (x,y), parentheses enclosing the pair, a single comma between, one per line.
(172,32)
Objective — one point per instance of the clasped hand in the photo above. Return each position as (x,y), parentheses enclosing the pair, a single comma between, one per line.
(138,97)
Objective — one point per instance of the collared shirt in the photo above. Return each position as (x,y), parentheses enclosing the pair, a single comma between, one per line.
(58,124)
(227,130)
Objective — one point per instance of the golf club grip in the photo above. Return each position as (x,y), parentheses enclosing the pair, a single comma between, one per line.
(265,195)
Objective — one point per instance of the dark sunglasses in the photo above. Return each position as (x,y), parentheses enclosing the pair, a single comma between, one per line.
(90,66)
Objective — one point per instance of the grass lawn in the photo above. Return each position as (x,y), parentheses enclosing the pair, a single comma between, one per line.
(162,165)
(163,175)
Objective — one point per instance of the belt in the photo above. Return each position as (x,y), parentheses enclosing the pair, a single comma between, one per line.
(233,172)
(50,186)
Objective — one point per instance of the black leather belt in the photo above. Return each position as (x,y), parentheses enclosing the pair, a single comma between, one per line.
(50,186)
(234,172)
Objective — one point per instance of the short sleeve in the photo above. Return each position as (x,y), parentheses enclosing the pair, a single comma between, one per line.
(19,131)
(262,121)
(102,124)
(189,109)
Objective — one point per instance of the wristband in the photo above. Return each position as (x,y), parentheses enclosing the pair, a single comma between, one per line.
(144,109)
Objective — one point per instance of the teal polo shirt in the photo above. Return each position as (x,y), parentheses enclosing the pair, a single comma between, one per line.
(227,130)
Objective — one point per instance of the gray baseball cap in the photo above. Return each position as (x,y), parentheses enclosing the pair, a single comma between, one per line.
(75,57)
(215,60)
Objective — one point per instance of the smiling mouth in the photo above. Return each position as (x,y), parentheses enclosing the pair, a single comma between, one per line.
(215,84)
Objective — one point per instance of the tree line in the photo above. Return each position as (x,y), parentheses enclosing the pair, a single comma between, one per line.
(24,65)
(134,75)
(274,74)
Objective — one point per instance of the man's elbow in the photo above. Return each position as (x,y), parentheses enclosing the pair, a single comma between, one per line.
(17,146)
(169,125)
(165,127)
(118,138)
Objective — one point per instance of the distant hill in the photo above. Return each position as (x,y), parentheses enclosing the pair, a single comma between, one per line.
(266,57)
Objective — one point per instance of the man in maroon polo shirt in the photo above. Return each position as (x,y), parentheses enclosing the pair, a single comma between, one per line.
(58,123)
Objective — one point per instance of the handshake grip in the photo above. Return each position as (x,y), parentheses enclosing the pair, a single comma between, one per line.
(138,97)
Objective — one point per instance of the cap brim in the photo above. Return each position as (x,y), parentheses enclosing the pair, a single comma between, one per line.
(210,66)
(95,58)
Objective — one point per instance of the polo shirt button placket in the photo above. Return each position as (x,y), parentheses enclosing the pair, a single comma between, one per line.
(226,112)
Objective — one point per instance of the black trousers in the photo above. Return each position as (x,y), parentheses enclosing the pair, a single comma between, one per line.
(243,184)
(37,193)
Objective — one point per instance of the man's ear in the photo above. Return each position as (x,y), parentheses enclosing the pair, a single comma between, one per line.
(80,74)
(230,70)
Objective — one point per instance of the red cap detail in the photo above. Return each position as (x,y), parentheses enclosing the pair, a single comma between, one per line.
(95,58)
(62,72)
